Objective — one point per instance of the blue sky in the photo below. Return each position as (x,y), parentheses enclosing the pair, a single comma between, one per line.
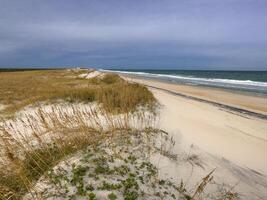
(157,34)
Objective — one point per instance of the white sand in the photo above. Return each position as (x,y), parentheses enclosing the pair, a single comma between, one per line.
(233,144)
(241,140)
(90,75)
(238,138)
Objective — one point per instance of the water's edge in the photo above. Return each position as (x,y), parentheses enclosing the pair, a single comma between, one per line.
(209,79)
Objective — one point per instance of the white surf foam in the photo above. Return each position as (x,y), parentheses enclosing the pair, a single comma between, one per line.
(207,81)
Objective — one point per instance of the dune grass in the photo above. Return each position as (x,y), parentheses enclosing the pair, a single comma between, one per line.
(24,159)
(21,174)
(20,89)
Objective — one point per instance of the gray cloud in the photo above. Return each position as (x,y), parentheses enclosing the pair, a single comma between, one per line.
(171,34)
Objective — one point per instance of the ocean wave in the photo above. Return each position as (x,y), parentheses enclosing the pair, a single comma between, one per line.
(197,79)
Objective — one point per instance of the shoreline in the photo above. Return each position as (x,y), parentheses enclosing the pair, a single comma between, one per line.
(256,86)
(238,101)
(223,106)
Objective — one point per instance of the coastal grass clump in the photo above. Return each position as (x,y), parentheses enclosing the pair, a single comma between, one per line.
(121,97)
(21,173)
(125,97)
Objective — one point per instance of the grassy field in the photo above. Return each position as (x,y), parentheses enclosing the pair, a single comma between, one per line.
(19,89)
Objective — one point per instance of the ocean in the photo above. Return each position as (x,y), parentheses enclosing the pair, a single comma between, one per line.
(247,81)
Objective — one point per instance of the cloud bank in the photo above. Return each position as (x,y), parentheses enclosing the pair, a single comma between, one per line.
(191,34)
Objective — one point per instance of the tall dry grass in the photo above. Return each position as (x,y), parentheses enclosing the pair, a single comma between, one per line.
(46,136)
(40,137)
(19,89)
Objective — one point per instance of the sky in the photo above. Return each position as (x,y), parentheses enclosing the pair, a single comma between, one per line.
(140,34)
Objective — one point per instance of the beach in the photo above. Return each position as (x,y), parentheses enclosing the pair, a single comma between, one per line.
(133,100)
(186,142)
(228,134)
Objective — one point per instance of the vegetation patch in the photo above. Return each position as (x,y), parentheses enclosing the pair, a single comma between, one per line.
(20,89)
(109,171)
